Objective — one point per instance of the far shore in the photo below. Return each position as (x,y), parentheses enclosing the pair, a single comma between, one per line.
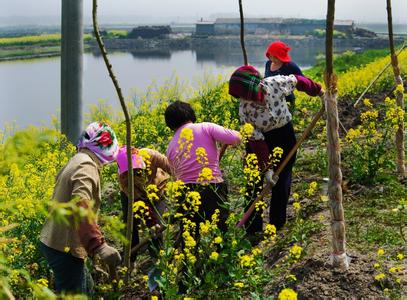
(185,42)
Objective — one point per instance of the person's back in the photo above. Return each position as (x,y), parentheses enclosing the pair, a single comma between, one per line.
(191,138)
(194,158)
(79,178)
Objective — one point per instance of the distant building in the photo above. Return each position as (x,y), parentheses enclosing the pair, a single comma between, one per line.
(224,26)
(205,28)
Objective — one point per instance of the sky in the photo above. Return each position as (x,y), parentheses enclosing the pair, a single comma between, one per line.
(189,10)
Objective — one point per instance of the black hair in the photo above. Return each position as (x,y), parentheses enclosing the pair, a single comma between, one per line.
(179,113)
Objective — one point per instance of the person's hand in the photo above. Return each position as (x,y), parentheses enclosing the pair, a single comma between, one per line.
(269,176)
(321,93)
(109,255)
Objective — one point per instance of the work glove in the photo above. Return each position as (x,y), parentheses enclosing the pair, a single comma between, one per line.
(268,176)
(109,255)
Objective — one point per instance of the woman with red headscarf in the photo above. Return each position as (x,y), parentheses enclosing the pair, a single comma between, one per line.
(279,63)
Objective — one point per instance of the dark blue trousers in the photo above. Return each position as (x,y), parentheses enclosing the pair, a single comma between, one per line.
(71,275)
(284,138)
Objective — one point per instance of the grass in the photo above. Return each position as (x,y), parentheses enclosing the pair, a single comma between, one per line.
(32,45)
(46,39)
(372,219)
(29,51)
(345,61)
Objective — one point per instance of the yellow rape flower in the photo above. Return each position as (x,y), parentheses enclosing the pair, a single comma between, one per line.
(173,189)
(194,200)
(239,284)
(324,198)
(297,206)
(278,152)
(204,228)
(188,239)
(256,251)
(215,217)
(218,240)
(214,255)
(352,134)
(400,88)
(367,103)
(251,169)
(186,134)
(400,256)
(42,282)
(246,261)
(380,252)
(154,298)
(295,252)
(270,231)
(369,116)
(380,277)
(313,185)
(287,294)
(246,131)
(146,159)
(201,156)
(205,175)
(152,191)
(141,210)
(260,205)
(191,258)
(185,139)
(291,277)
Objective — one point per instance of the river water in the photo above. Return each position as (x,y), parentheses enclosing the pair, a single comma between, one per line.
(30,89)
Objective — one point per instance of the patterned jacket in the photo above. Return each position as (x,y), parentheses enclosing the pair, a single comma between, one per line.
(273,112)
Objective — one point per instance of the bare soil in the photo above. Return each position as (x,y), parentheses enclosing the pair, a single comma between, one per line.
(317,279)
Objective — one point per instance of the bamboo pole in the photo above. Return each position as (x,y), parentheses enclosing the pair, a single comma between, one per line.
(401,169)
(377,77)
(129,225)
(223,149)
(242,33)
(338,257)
(281,167)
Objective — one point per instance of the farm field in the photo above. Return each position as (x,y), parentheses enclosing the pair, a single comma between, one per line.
(293,262)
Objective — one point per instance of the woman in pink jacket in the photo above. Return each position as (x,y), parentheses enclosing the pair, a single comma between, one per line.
(194,158)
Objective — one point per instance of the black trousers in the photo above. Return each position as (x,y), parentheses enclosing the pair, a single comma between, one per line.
(213,196)
(284,138)
(71,274)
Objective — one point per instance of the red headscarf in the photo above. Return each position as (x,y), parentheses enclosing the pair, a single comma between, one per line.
(279,50)
(245,83)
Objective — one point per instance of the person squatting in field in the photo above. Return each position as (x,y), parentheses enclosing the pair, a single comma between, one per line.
(263,104)
(194,158)
(66,246)
(150,169)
